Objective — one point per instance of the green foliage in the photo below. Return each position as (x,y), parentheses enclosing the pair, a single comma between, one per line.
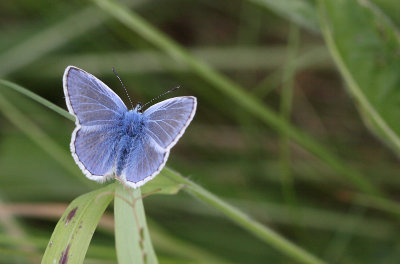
(264,233)
(274,135)
(74,230)
(132,237)
(301,12)
(234,91)
(366,48)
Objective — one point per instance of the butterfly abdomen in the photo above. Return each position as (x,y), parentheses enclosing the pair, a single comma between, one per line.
(122,155)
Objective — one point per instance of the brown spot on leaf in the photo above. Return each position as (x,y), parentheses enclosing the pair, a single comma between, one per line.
(70,215)
(144,257)
(64,256)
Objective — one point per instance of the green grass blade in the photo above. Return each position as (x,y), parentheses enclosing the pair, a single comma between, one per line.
(232,213)
(264,233)
(236,93)
(377,203)
(73,233)
(34,132)
(36,98)
(11,227)
(364,48)
(49,39)
(252,226)
(173,245)
(162,184)
(286,104)
(227,58)
(132,238)
(301,12)
(313,218)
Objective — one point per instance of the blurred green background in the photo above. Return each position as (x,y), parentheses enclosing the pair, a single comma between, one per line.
(297,122)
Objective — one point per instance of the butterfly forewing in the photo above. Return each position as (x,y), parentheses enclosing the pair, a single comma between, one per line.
(164,125)
(89,99)
(167,120)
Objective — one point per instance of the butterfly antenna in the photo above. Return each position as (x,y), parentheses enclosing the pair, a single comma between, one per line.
(126,91)
(167,92)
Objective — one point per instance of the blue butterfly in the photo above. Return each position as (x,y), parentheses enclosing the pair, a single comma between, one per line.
(110,140)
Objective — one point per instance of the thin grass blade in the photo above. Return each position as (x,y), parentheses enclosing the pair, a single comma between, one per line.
(262,232)
(35,97)
(236,93)
(301,12)
(51,38)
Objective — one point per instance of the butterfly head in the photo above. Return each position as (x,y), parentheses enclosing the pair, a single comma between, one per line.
(138,108)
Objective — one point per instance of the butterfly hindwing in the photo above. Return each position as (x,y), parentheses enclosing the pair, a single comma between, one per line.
(95,149)
(144,161)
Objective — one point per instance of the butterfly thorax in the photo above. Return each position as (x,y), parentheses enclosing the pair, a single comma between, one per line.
(132,123)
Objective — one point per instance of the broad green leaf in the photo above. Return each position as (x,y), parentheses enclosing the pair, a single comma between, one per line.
(388,8)
(132,239)
(73,233)
(161,185)
(367,53)
(301,12)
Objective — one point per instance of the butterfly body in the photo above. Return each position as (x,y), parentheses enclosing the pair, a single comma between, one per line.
(110,140)
(130,131)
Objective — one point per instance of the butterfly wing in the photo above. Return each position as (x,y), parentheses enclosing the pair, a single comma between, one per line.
(165,123)
(97,110)
(94,150)
(89,99)
(167,120)
(144,162)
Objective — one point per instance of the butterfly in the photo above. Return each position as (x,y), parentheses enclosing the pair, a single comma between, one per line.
(109,140)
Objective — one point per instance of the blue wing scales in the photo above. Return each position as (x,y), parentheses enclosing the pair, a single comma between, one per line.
(95,149)
(165,123)
(97,110)
(90,100)
(96,139)
(167,120)
(144,162)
